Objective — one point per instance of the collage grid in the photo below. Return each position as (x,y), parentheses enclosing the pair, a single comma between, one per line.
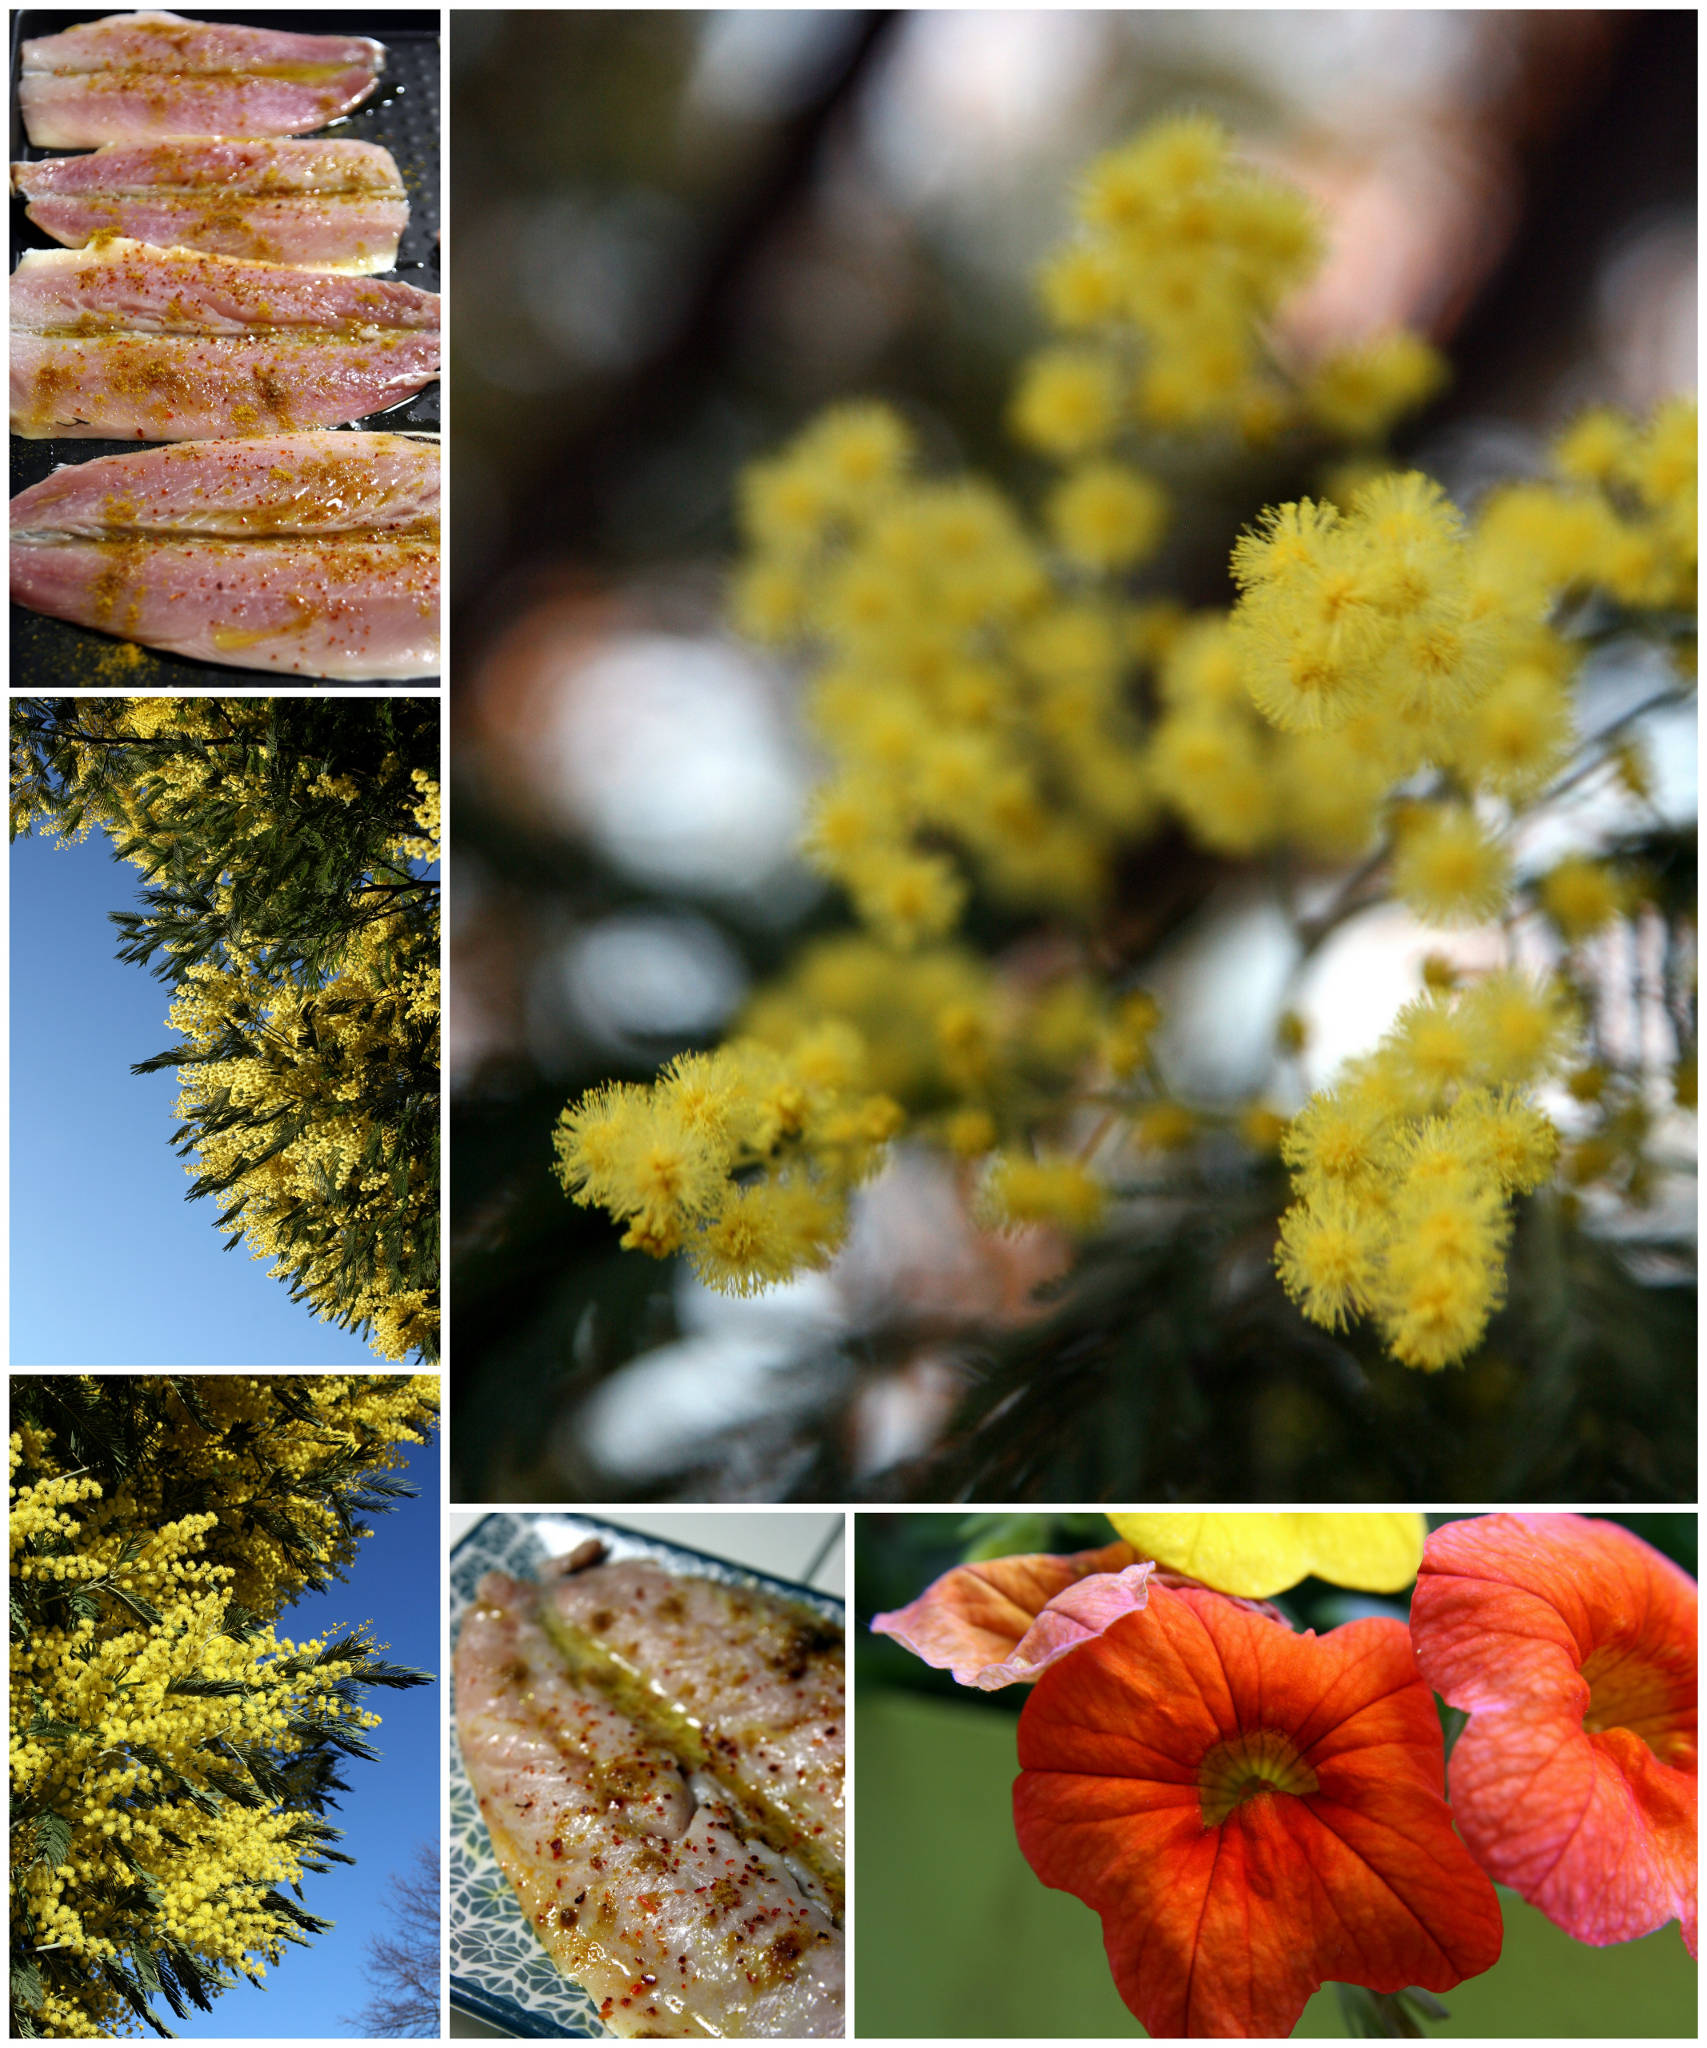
(1075,818)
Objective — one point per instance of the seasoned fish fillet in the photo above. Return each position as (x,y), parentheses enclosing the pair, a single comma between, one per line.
(326,205)
(141,77)
(301,554)
(737,1681)
(126,342)
(637,1869)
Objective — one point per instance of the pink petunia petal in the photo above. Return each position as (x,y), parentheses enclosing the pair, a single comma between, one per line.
(973,1620)
(1572,1645)
(1076,1616)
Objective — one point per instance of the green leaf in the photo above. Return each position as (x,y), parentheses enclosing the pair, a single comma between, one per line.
(138,1606)
(53,1840)
(44,1728)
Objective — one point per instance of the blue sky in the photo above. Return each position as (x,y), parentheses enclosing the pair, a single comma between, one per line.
(392,1804)
(109,1264)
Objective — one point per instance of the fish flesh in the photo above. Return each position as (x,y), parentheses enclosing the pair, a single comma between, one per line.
(638,1866)
(126,342)
(326,205)
(302,554)
(743,1683)
(142,77)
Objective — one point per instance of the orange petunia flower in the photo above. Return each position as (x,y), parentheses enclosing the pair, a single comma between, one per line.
(1572,1646)
(1252,1812)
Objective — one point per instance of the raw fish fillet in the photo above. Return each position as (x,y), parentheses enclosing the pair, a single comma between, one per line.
(125,342)
(324,205)
(302,554)
(141,77)
(637,1869)
(740,1682)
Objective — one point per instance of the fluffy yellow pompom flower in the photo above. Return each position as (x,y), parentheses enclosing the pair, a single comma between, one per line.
(1018,1189)
(1255,1555)
(1081,287)
(1430,1049)
(1404,1171)
(1519,1032)
(1359,392)
(1596,447)
(1517,736)
(856,452)
(768,601)
(1105,515)
(1516,1141)
(1375,608)
(1447,868)
(1068,402)
(1328,1257)
(907,897)
(1334,1143)
(1305,629)
(766,1233)
(1581,896)
(1210,766)
(1165,1127)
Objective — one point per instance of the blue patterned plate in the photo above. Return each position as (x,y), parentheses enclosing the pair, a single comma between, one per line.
(499,1969)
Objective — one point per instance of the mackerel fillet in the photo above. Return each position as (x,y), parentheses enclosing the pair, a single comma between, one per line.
(326,205)
(125,342)
(143,77)
(299,554)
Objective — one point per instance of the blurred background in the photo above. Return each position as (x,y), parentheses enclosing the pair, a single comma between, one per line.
(944,1892)
(678,235)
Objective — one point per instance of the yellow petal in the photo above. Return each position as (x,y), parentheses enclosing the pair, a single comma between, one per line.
(1254,1555)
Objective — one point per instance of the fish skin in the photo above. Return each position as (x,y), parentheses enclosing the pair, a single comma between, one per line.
(759,1682)
(142,77)
(324,204)
(311,554)
(630,1867)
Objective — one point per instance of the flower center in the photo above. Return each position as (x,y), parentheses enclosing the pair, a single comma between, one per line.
(1240,1770)
(1626,1691)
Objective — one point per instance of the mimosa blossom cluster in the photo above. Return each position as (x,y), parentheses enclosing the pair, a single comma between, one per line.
(155,1711)
(1006,711)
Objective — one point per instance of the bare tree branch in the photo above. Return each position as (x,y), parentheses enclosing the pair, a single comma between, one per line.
(403,1965)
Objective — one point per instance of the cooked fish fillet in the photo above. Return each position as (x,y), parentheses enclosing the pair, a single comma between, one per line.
(636,1869)
(326,205)
(128,342)
(141,77)
(740,1682)
(304,554)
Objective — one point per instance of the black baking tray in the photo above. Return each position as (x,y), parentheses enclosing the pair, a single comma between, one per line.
(402,116)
